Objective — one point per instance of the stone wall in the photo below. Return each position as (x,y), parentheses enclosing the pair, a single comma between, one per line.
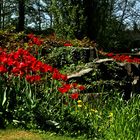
(107,75)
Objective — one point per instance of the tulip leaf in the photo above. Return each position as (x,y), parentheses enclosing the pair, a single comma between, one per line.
(4,97)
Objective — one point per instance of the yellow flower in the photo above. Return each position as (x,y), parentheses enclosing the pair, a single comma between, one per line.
(79,106)
(110,115)
(94,110)
(80,103)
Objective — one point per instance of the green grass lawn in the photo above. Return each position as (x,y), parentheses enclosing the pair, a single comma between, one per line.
(13,134)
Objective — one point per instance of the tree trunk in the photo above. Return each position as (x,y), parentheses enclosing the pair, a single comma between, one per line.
(39,14)
(3,16)
(21,15)
(92,17)
(1,12)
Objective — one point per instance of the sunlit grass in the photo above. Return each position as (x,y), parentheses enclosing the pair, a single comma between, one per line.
(125,124)
(18,135)
(15,134)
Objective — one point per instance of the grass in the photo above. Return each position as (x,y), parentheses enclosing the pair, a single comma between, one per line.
(15,134)
(18,135)
(123,124)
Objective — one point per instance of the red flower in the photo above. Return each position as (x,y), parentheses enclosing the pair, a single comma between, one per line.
(16,55)
(129,60)
(15,70)
(4,59)
(21,74)
(33,78)
(46,68)
(56,74)
(2,69)
(1,49)
(116,57)
(30,44)
(37,78)
(136,60)
(22,65)
(10,61)
(38,42)
(74,96)
(65,88)
(68,44)
(34,40)
(81,87)
(30,35)
(74,85)
(109,54)
(36,65)
(63,77)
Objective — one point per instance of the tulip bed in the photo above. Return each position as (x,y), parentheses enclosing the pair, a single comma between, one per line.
(36,95)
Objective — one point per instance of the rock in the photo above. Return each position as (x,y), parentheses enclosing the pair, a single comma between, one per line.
(133,71)
(103,60)
(80,73)
(107,75)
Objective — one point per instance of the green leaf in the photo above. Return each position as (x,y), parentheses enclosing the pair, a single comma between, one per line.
(4,97)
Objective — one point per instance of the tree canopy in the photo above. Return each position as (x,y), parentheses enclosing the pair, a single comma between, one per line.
(99,20)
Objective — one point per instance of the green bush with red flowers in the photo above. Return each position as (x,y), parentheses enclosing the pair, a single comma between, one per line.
(24,77)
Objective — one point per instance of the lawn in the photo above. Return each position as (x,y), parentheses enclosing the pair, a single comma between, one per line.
(15,134)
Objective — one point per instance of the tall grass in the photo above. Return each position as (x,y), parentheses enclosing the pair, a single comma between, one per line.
(125,124)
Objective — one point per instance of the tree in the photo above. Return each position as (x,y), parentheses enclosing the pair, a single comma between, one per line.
(96,19)
(1,3)
(82,17)
(67,17)
(6,11)
(21,19)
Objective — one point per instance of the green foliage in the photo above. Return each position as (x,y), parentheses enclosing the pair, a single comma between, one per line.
(68,18)
(41,106)
(111,118)
(66,55)
(17,101)
(125,124)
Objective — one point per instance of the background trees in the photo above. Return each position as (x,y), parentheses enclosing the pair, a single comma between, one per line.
(100,20)
(6,11)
